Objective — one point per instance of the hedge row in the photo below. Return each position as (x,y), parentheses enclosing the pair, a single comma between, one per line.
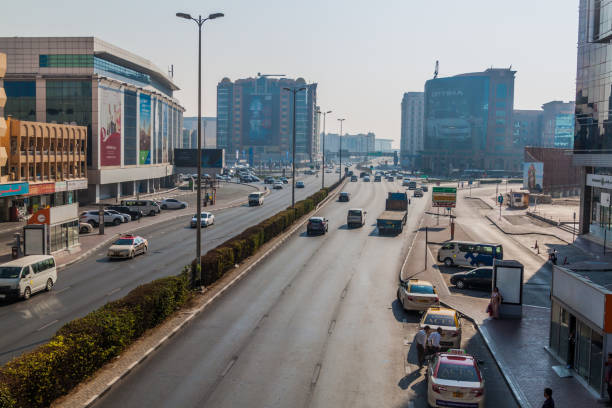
(217,261)
(81,347)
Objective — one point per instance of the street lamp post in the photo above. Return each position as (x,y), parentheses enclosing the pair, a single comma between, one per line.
(295,91)
(323,149)
(196,275)
(340,149)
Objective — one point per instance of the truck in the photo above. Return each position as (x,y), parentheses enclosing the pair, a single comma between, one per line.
(393,219)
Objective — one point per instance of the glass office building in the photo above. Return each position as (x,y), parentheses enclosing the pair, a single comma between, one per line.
(133,121)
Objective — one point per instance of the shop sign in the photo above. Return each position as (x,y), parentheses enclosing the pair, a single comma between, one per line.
(13,189)
(42,188)
(60,186)
(76,184)
(599,180)
(42,216)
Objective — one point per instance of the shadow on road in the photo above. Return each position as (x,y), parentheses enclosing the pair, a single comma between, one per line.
(404,316)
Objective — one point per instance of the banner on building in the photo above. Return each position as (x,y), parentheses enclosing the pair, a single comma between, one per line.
(42,188)
(444,197)
(145,129)
(110,126)
(76,184)
(14,189)
(164,158)
(533,175)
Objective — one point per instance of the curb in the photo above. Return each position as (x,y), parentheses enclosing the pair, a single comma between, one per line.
(518,395)
(280,240)
(525,233)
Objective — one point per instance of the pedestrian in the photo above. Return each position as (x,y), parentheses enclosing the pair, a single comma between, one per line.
(608,365)
(548,402)
(421,342)
(433,341)
(496,299)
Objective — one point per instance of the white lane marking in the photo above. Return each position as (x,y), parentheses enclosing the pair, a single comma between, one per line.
(112,292)
(229,366)
(315,374)
(539,307)
(47,325)
(57,292)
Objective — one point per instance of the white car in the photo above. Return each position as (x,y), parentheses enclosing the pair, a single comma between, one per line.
(205,220)
(454,380)
(126,217)
(172,204)
(128,246)
(278,185)
(93,217)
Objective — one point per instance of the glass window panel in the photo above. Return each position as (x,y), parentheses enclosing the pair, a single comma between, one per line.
(596,357)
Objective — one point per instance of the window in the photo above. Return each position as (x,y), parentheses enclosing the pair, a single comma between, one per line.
(66,61)
(21,99)
(501,91)
(500,113)
(448,246)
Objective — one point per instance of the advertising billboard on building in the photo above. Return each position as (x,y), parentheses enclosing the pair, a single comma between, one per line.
(164,146)
(144,127)
(257,113)
(444,197)
(456,112)
(211,158)
(109,102)
(533,175)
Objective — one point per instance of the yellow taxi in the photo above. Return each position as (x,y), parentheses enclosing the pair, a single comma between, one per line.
(454,380)
(416,294)
(446,319)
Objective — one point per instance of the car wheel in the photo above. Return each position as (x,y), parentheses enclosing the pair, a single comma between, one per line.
(183,205)
(448,262)
(84,230)
(146,248)
(460,284)
(49,285)
(27,293)
(132,255)
(116,221)
(164,207)
(152,213)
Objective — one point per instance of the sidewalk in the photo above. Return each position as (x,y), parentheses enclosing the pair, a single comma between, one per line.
(518,346)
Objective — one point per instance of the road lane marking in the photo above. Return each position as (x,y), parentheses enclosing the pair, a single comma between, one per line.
(332,325)
(229,366)
(47,325)
(315,375)
(112,292)
(57,292)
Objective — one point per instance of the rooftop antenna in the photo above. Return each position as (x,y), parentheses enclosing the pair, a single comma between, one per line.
(171,71)
(436,71)
(259,75)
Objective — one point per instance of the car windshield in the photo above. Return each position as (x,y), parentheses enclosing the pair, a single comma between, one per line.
(315,221)
(356,213)
(457,372)
(124,241)
(422,289)
(9,272)
(440,320)
(203,215)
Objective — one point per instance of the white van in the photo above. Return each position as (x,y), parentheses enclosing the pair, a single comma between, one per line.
(147,207)
(256,198)
(24,276)
(356,217)
(470,254)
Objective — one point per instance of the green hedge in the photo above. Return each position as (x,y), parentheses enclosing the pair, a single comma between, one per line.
(81,347)
(216,262)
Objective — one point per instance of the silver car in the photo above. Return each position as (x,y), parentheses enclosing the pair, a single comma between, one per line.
(172,204)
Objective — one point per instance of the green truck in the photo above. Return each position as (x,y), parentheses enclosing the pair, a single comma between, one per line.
(393,219)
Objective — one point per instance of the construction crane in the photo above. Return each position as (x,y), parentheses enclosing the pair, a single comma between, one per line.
(259,75)
(436,71)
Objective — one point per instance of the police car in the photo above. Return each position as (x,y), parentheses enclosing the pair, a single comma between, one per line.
(128,246)
(454,380)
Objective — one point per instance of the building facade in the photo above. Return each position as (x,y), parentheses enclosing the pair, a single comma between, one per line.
(468,123)
(209,132)
(125,102)
(383,145)
(255,119)
(358,144)
(411,144)
(558,124)
(527,128)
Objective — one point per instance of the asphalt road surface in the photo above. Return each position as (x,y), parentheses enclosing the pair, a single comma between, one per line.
(316,324)
(89,284)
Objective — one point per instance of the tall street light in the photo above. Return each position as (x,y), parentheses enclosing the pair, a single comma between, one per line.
(323,149)
(196,275)
(340,149)
(295,91)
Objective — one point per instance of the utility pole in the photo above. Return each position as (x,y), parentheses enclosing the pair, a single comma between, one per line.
(340,149)
(323,149)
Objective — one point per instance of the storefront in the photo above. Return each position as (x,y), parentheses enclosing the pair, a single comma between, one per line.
(63,226)
(600,226)
(11,203)
(581,324)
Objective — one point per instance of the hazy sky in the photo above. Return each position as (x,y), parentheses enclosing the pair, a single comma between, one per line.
(363,54)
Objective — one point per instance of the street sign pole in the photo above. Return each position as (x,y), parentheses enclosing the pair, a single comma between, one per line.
(426,248)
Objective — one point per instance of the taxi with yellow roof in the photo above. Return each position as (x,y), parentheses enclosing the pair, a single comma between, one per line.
(449,320)
(417,294)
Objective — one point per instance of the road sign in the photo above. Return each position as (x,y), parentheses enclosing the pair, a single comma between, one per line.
(444,197)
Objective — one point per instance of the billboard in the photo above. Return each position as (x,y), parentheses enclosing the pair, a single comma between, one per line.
(444,197)
(110,126)
(211,158)
(144,127)
(533,175)
(257,128)
(165,126)
(456,113)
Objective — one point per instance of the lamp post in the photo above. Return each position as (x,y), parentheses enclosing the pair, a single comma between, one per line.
(340,149)
(196,275)
(323,150)
(295,91)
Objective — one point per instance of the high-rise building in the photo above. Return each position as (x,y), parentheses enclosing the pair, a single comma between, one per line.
(527,128)
(255,119)
(468,123)
(558,124)
(209,132)
(411,143)
(358,144)
(133,121)
(383,145)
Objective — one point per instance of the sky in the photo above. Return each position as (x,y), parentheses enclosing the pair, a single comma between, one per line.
(364,55)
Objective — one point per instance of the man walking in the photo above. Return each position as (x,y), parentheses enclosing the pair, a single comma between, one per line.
(421,341)
(433,341)
(548,403)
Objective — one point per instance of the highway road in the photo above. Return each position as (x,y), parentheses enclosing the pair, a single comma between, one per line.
(315,324)
(89,284)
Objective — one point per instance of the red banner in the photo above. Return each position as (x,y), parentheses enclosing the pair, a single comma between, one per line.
(42,188)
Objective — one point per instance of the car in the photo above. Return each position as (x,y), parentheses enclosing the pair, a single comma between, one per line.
(417,294)
(418,193)
(406,182)
(377,178)
(299,184)
(85,228)
(284,180)
(481,278)
(399,177)
(93,217)
(353,178)
(278,185)
(424,188)
(366,179)
(356,217)
(126,217)
(172,204)
(22,277)
(205,220)
(147,207)
(390,178)
(317,225)
(256,198)
(328,171)
(448,320)
(134,213)
(128,246)
(363,174)
(344,196)
(454,380)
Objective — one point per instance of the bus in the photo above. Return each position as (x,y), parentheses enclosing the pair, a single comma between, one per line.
(470,254)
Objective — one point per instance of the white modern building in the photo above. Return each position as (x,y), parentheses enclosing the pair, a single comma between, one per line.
(412,128)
